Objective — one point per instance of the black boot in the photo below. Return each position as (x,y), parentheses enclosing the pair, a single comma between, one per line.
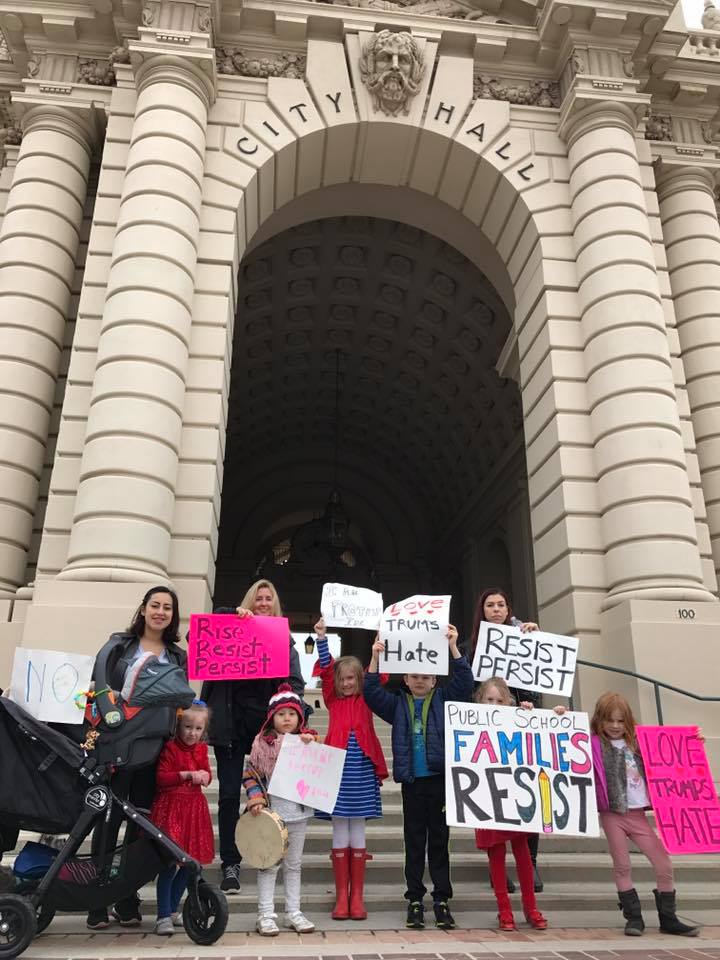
(538,884)
(669,923)
(629,903)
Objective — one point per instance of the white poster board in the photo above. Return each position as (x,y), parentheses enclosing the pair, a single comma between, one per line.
(415,635)
(512,769)
(342,605)
(531,661)
(308,773)
(46,682)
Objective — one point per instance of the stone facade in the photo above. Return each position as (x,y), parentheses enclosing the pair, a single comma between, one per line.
(564,159)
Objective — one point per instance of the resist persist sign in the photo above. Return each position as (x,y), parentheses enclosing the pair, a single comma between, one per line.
(532,661)
(681,788)
(225,647)
(415,636)
(512,769)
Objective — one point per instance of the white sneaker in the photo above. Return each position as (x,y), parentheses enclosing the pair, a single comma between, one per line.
(266,925)
(164,927)
(177,919)
(298,922)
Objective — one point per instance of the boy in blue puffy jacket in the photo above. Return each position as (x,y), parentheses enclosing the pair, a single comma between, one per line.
(418,746)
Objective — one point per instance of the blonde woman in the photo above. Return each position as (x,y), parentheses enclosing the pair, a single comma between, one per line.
(238,709)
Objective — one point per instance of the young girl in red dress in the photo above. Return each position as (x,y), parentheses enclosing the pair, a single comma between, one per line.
(496,691)
(180,809)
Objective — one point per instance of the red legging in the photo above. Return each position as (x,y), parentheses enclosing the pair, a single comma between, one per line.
(521,852)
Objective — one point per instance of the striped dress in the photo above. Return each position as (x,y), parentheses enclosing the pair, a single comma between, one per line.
(359,794)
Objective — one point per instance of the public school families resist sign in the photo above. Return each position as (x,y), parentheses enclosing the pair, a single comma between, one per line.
(342,605)
(512,769)
(532,661)
(681,788)
(222,646)
(415,636)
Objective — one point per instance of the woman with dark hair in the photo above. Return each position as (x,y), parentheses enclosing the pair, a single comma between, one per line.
(494,606)
(153,629)
(238,709)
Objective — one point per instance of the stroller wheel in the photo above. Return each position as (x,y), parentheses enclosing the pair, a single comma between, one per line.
(17,925)
(207,925)
(44,917)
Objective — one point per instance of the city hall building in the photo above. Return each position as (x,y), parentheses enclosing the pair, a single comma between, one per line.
(423,296)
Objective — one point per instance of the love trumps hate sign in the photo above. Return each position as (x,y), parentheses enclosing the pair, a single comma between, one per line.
(342,605)
(532,661)
(681,788)
(308,773)
(415,635)
(512,769)
(222,646)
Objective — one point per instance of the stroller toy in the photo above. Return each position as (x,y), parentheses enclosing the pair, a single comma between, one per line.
(52,785)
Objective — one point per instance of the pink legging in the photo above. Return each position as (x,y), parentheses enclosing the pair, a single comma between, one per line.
(634,825)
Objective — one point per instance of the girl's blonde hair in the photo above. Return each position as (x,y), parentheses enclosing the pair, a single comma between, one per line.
(198,706)
(607,704)
(249,599)
(502,688)
(357,668)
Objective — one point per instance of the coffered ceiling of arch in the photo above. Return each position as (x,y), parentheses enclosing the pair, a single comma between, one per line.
(419,330)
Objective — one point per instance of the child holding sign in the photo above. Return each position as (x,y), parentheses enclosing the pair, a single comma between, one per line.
(622,799)
(285,716)
(496,691)
(418,744)
(351,728)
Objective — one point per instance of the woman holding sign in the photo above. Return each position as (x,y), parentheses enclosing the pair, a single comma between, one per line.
(238,709)
(494,606)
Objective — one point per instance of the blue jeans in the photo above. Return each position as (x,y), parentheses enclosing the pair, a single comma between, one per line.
(171,885)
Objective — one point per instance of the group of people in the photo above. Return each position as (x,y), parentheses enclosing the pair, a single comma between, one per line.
(246,721)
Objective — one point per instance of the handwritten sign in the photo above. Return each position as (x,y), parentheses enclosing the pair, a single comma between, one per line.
(46,683)
(225,647)
(415,635)
(681,788)
(513,769)
(532,661)
(308,773)
(344,606)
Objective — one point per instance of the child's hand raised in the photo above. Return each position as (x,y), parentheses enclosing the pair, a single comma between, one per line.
(307,737)
(526,705)
(320,628)
(378,647)
(529,627)
(452,636)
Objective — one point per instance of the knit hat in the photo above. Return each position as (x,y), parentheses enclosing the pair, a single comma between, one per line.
(284,699)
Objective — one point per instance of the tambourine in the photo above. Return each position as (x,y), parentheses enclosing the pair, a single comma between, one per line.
(262,839)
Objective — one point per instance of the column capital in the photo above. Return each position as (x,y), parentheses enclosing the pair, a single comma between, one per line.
(155,59)
(596,102)
(675,175)
(72,112)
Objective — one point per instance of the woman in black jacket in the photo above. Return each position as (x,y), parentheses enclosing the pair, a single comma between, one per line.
(154,629)
(238,709)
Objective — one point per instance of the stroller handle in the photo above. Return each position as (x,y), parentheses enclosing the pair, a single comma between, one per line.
(104,697)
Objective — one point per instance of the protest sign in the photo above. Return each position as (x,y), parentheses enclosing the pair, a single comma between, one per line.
(681,789)
(308,773)
(415,636)
(225,647)
(532,661)
(344,606)
(46,683)
(512,769)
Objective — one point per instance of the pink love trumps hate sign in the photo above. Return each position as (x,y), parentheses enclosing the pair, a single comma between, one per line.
(225,647)
(681,788)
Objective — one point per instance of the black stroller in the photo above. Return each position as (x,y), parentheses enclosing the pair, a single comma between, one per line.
(53,785)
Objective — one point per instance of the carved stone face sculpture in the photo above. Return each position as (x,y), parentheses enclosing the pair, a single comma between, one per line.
(392,68)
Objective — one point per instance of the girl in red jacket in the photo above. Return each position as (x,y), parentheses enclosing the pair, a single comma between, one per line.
(350,727)
(181,810)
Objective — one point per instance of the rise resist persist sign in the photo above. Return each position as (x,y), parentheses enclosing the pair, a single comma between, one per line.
(681,788)
(512,769)
(225,647)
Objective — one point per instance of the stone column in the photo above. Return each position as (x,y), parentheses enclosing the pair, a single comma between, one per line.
(38,249)
(124,507)
(692,241)
(647,519)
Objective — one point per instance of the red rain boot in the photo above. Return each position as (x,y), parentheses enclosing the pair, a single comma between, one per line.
(357,883)
(341,869)
(526,876)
